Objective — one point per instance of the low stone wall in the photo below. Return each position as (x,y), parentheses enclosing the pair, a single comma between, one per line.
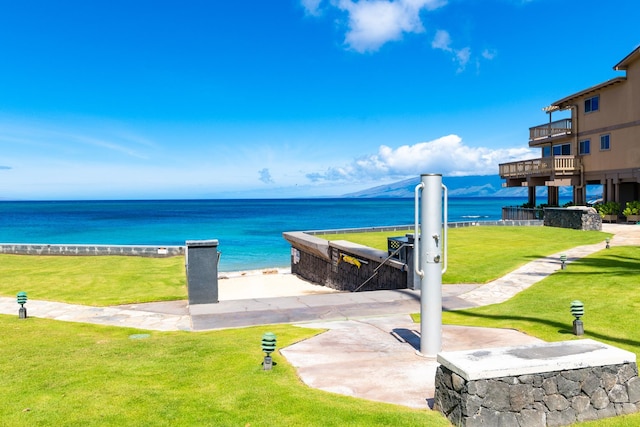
(577,218)
(91,250)
(560,385)
(344,265)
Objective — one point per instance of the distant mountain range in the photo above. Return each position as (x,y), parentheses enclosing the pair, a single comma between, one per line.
(458,186)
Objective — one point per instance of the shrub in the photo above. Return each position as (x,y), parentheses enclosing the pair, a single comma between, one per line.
(632,208)
(607,208)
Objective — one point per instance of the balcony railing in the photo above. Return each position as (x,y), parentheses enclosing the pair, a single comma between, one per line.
(557,128)
(557,165)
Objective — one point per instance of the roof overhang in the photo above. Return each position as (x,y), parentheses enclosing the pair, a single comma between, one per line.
(624,64)
(569,100)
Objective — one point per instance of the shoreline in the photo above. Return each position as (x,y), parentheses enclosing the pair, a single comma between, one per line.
(224,275)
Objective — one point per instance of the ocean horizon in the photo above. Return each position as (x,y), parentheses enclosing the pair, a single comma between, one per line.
(249,231)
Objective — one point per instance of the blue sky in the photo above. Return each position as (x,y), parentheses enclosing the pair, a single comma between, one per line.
(290,98)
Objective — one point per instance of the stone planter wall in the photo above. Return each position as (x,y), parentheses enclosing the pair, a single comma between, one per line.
(550,399)
(576,218)
(527,398)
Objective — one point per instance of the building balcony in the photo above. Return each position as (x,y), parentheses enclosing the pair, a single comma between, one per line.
(545,166)
(555,129)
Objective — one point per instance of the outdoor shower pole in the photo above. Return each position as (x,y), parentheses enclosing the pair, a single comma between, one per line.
(431,238)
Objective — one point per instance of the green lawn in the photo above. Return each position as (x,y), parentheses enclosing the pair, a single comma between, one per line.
(483,254)
(113,280)
(69,374)
(606,282)
(93,280)
(59,374)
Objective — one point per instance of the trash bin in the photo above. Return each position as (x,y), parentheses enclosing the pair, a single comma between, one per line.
(202,271)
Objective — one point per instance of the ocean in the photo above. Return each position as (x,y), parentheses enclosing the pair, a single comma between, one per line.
(249,231)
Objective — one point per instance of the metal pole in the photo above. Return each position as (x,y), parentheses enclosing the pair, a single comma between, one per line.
(428,265)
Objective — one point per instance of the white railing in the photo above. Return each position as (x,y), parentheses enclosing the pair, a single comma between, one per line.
(558,165)
(557,128)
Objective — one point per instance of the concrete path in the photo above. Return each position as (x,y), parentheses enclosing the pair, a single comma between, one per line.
(369,348)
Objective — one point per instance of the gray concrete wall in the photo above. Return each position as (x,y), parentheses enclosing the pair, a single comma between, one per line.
(91,250)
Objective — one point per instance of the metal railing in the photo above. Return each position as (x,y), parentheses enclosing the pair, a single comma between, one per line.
(557,128)
(558,165)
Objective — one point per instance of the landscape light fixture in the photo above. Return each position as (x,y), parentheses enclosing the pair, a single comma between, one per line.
(607,240)
(563,260)
(577,310)
(268,346)
(22,300)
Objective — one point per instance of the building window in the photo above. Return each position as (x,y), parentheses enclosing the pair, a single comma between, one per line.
(605,142)
(546,151)
(584,147)
(592,104)
(562,150)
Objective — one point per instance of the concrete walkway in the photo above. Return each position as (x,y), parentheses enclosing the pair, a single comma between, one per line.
(369,348)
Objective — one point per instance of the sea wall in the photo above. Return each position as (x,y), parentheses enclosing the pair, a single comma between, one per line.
(91,250)
(344,265)
(410,228)
(347,266)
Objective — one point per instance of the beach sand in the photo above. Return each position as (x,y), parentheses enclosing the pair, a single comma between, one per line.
(267,283)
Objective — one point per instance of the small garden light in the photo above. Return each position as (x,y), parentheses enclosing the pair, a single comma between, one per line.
(22,300)
(577,310)
(268,346)
(563,260)
(607,240)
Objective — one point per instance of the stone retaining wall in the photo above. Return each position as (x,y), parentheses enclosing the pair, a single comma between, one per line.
(577,218)
(91,250)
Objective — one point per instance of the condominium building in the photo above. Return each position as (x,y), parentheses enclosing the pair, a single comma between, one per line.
(598,144)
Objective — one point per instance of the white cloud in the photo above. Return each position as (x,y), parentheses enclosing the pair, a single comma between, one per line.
(489,54)
(446,155)
(372,23)
(311,7)
(442,40)
(462,58)
(265,176)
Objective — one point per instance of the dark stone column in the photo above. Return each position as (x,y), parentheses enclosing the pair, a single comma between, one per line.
(553,196)
(532,196)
